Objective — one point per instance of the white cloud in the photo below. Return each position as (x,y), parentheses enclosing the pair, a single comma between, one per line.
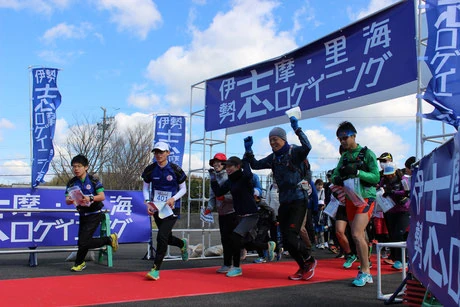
(66,31)
(137,16)
(381,139)
(245,35)
(305,13)
(125,121)
(5,124)
(46,7)
(397,111)
(196,162)
(15,171)
(61,131)
(59,57)
(374,6)
(144,99)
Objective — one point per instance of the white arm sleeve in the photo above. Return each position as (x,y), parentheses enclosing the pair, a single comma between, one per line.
(146,191)
(181,192)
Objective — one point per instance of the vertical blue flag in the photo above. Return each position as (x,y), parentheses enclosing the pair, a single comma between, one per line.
(45,100)
(443,59)
(171,129)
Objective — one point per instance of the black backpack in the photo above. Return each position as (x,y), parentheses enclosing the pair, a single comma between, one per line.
(360,164)
(304,170)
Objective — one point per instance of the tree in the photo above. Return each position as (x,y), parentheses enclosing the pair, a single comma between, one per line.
(130,154)
(84,138)
(119,157)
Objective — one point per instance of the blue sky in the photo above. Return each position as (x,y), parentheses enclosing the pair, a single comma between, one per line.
(137,58)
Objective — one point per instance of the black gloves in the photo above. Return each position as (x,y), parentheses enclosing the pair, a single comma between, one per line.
(387,192)
(348,170)
(338,181)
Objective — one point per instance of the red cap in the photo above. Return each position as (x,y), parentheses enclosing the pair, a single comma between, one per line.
(218,156)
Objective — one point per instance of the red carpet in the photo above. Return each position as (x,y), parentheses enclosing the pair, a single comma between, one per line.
(81,290)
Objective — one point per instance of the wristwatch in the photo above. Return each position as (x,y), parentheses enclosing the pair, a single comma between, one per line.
(91,198)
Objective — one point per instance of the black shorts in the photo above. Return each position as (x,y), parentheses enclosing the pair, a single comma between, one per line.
(341,214)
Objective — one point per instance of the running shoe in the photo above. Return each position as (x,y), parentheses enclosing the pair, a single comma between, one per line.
(154,274)
(397,265)
(309,270)
(184,250)
(297,275)
(233,272)
(362,279)
(79,268)
(260,260)
(349,260)
(223,269)
(114,241)
(271,250)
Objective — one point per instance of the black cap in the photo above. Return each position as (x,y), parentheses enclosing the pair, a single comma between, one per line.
(409,162)
(233,161)
(385,157)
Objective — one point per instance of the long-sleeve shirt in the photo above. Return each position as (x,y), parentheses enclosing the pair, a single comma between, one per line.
(241,187)
(286,169)
(224,203)
(398,194)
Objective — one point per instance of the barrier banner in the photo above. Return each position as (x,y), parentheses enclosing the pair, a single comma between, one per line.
(128,218)
(434,238)
(45,101)
(367,62)
(442,57)
(171,129)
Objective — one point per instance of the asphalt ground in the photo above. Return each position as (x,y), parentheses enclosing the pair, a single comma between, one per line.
(129,258)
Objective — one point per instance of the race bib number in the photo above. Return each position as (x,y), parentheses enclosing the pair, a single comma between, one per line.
(161,196)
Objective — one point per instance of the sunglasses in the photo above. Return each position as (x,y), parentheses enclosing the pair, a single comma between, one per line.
(343,138)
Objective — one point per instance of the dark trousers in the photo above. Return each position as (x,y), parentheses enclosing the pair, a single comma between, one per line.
(245,231)
(227,224)
(397,224)
(275,235)
(291,216)
(165,238)
(310,227)
(88,225)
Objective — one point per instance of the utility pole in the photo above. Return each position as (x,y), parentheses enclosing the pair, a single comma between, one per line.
(106,122)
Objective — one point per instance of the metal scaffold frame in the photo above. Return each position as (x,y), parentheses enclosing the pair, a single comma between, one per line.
(204,141)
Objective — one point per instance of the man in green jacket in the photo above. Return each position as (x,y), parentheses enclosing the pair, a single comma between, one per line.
(358,164)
